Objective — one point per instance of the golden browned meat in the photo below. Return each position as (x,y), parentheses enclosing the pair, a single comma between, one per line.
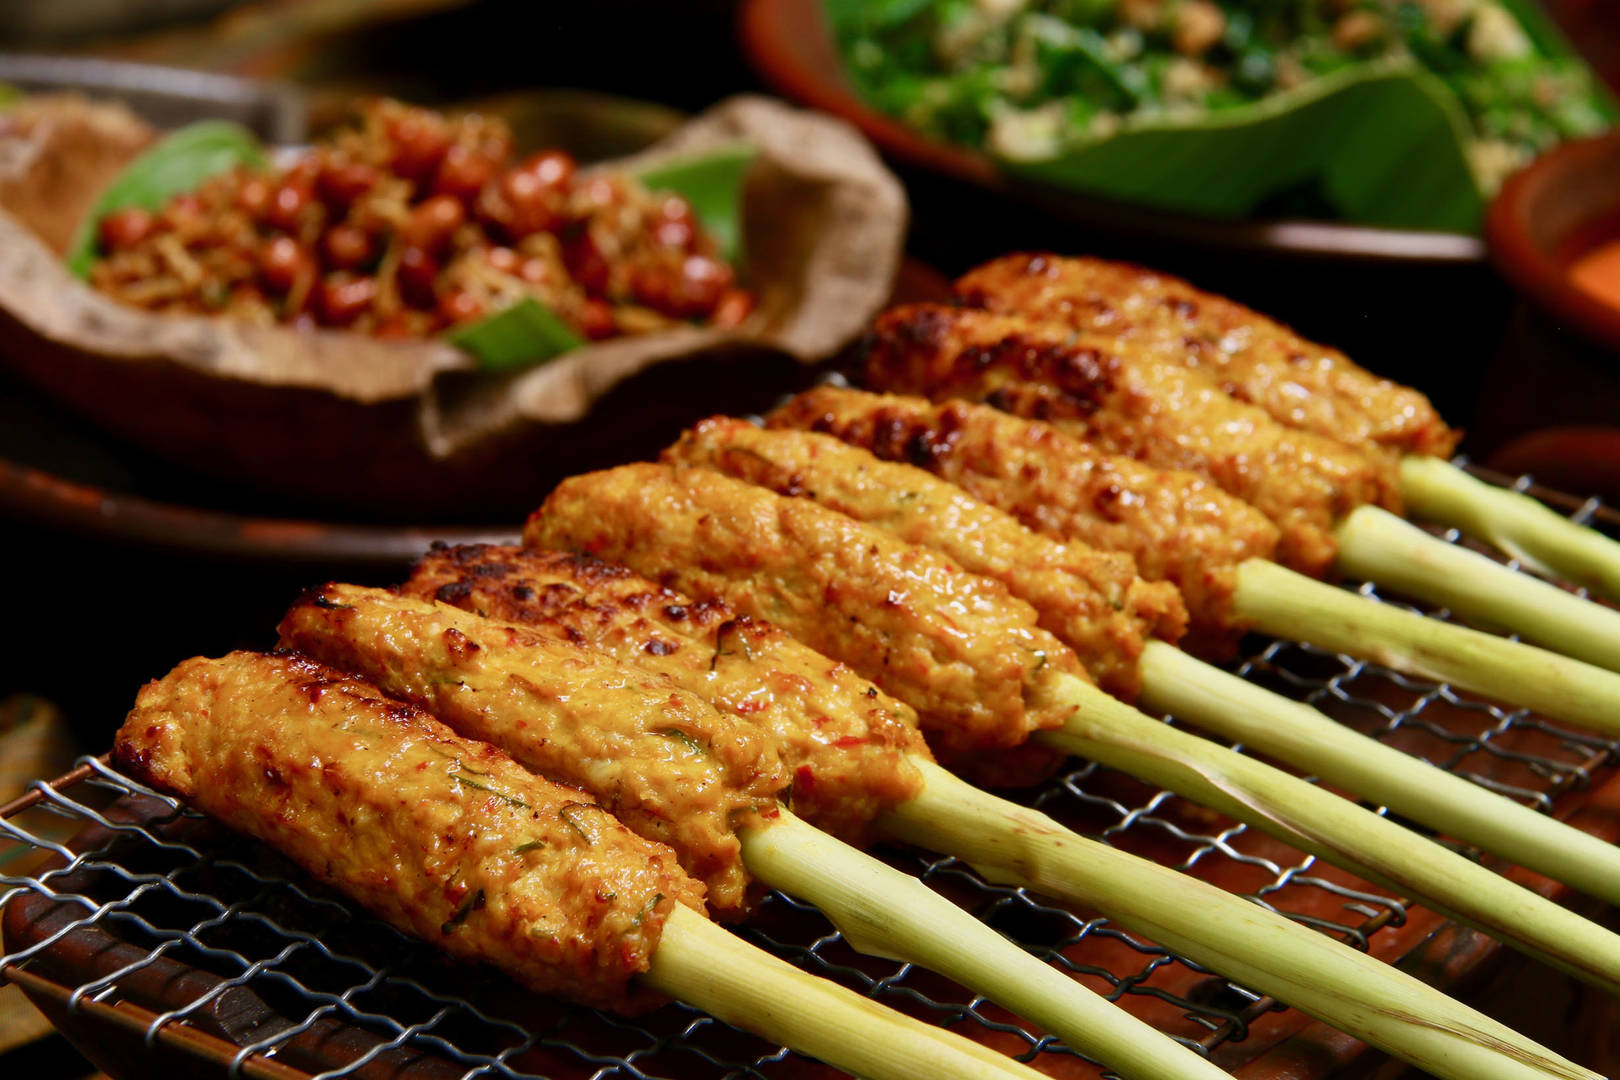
(953,645)
(1128,400)
(662,760)
(444,837)
(1298,382)
(1178,526)
(845,741)
(1093,602)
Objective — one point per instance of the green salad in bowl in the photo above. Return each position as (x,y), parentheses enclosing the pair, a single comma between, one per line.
(1390,112)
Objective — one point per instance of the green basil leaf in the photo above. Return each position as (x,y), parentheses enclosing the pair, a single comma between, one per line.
(176,163)
(520,336)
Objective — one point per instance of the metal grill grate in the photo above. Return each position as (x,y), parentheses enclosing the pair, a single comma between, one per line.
(152,919)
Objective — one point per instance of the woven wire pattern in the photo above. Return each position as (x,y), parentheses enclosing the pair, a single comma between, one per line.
(176,890)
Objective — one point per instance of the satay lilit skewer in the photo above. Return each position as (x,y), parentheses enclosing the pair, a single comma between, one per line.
(1171,524)
(858,764)
(1083,600)
(1329,500)
(1316,388)
(674,769)
(451,841)
(984,677)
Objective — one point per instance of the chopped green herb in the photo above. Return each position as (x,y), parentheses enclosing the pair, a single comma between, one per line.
(727,627)
(570,814)
(461,766)
(532,845)
(641,916)
(475,902)
(512,800)
(682,737)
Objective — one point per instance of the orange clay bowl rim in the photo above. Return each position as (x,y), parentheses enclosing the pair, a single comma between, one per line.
(1529,259)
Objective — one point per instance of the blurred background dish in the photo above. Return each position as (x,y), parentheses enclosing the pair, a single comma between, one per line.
(327,413)
(1382,112)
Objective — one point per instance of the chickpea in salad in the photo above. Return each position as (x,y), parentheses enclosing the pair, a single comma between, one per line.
(1027,79)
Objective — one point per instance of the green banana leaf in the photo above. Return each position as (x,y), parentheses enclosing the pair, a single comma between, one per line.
(1384,142)
(178,162)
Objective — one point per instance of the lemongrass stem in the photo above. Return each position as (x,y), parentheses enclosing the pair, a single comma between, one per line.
(1538,537)
(1280,602)
(1375,545)
(1210,698)
(1339,985)
(703,965)
(883,912)
(1109,731)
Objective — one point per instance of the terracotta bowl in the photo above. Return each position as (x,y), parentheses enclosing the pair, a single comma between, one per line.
(1550,399)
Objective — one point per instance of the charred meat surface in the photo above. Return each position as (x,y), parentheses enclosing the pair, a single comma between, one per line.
(955,646)
(1094,602)
(1129,400)
(446,838)
(845,741)
(1177,525)
(1253,358)
(663,761)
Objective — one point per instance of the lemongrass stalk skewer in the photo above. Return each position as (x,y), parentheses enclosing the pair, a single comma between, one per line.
(1103,729)
(1325,979)
(1289,731)
(1299,384)
(1277,601)
(967,656)
(291,752)
(1375,545)
(1067,583)
(613,610)
(1131,399)
(1512,522)
(699,963)
(570,712)
(883,912)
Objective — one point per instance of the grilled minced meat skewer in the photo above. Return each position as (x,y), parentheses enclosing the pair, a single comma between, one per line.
(858,761)
(1314,388)
(984,677)
(1132,401)
(1297,382)
(450,840)
(672,767)
(1049,481)
(921,508)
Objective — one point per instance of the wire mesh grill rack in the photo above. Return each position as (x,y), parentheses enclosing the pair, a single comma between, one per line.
(126,910)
